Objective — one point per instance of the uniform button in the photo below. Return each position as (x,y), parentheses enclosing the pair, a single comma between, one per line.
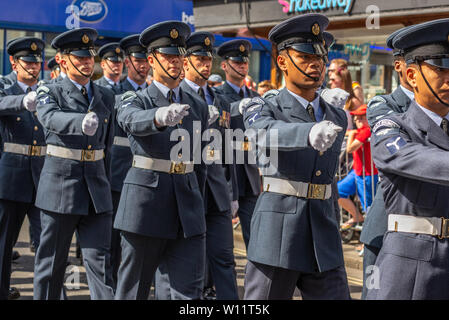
(36,128)
(321,153)
(18,118)
(34,142)
(89,147)
(318,173)
(35,113)
(106,120)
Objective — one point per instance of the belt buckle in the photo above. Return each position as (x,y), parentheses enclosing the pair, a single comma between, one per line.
(34,151)
(177,168)
(88,155)
(316,191)
(444,229)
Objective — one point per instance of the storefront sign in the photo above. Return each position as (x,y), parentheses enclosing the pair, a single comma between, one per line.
(91,11)
(301,6)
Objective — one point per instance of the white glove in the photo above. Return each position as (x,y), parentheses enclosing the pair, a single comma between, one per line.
(243,104)
(335,97)
(171,115)
(213,114)
(234,208)
(29,101)
(323,135)
(90,124)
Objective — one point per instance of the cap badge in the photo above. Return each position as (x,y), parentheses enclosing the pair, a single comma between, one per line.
(242,48)
(117,50)
(33,46)
(207,41)
(316,29)
(85,39)
(174,33)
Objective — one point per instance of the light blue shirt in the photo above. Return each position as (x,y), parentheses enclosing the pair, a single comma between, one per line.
(63,74)
(432,115)
(24,87)
(319,115)
(135,85)
(87,86)
(112,83)
(164,89)
(195,87)
(237,89)
(408,93)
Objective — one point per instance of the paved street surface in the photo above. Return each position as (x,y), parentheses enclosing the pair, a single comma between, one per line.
(22,275)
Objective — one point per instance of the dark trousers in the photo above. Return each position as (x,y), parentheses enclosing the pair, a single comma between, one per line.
(116,249)
(370,254)
(263,282)
(94,234)
(12,214)
(245,213)
(181,259)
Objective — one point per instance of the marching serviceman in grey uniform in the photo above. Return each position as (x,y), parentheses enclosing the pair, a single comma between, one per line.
(23,152)
(411,151)
(74,192)
(217,201)
(161,211)
(54,67)
(136,63)
(112,64)
(121,156)
(235,65)
(376,219)
(295,240)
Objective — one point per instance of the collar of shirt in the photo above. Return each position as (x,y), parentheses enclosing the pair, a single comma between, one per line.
(315,104)
(237,88)
(87,86)
(112,83)
(135,85)
(408,93)
(63,74)
(164,89)
(196,87)
(432,115)
(24,86)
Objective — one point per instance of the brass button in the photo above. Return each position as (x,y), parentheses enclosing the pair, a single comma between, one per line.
(18,118)
(34,142)
(89,147)
(35,113)
(106,120)
(36,128)
(321,153)
(318,173)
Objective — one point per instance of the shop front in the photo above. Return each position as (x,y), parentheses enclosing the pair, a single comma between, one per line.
(360,27)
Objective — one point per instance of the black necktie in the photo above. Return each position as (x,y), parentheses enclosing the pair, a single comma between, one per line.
(139,88)
(241,93)
(171,96)
(311,112)
(84,93)
(444,125)
(201,93)
(29,90)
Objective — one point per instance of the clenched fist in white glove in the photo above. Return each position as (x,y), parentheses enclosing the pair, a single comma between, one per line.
(171,115)
(29,101)
(213,114)
(323,135)
(234,208)
(335,97)
(243,104)
(90,124)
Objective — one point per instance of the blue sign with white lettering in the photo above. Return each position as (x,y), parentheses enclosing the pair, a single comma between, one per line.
(302,6)
(115,18)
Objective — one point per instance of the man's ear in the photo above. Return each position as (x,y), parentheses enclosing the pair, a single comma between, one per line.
(282,62)
(186,64)
(223,66)
(412,75)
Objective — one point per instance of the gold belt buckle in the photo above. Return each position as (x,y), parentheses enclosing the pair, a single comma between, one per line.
(316,191)
(177,168)
(444,229)
(34,151)
(88,155)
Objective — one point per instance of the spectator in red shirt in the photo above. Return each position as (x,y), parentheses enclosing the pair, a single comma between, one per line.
(360,178)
